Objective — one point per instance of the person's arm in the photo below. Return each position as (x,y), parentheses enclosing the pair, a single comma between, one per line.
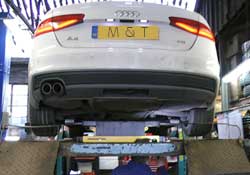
(162,171)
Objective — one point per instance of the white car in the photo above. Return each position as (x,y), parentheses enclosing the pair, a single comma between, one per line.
(123,61)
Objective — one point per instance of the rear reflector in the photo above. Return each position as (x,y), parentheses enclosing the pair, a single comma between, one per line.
(58,23)
(193,27)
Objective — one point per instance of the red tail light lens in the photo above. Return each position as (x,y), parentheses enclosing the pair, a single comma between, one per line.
(193,27)
(58,23)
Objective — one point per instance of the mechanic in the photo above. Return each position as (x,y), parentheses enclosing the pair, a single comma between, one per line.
(158,165)
(163,166)
(136,166)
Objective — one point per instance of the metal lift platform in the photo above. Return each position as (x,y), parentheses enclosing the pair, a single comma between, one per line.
(204,157)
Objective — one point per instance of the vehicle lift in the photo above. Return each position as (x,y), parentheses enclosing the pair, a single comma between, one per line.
(195,156)
(30,157)
(122,145)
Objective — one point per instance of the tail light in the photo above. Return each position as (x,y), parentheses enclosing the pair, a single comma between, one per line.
(58,23)
(193,27)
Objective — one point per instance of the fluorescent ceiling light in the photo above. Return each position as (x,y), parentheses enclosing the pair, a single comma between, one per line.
(237,72)
(12,138)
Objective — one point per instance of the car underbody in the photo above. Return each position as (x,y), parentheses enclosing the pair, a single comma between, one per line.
(121,92)
(121,96)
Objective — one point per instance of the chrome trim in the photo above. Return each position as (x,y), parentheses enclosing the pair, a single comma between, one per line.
(127,13)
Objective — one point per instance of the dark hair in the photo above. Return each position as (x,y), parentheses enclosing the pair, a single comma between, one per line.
(140,159)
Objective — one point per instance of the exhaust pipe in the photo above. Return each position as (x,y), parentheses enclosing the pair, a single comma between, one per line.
(58,89)
(46,88)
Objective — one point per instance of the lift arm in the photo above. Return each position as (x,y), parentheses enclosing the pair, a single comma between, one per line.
(111,149)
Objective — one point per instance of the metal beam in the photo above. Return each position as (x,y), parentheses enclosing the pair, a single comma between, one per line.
(111,149)
(19,13)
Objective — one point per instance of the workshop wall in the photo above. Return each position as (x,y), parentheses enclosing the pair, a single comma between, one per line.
(230,21)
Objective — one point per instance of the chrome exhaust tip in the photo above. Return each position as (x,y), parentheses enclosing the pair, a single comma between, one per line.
(46,88)
(58,89)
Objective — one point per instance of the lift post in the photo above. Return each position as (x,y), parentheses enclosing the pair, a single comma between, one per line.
(5,49)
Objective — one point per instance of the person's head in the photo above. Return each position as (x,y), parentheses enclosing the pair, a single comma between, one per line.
(124,160)
(158,160)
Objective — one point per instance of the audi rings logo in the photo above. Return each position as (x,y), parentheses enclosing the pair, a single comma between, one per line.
(127,13)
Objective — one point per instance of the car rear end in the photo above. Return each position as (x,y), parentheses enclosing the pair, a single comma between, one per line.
(111,49)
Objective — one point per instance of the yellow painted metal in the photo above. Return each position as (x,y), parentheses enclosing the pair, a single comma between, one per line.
(117,139)
(128,32)
(180,134)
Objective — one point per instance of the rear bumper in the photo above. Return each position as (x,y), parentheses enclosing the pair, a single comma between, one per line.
(200,60)
(163,86)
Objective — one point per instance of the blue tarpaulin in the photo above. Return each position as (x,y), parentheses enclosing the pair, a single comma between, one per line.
(5,49)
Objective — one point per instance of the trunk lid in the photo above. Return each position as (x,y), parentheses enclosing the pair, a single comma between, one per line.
(130,16)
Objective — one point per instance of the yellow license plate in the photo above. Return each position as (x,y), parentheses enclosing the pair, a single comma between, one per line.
(125,32)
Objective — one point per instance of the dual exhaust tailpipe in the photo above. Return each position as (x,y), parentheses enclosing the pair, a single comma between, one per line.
(52,88)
